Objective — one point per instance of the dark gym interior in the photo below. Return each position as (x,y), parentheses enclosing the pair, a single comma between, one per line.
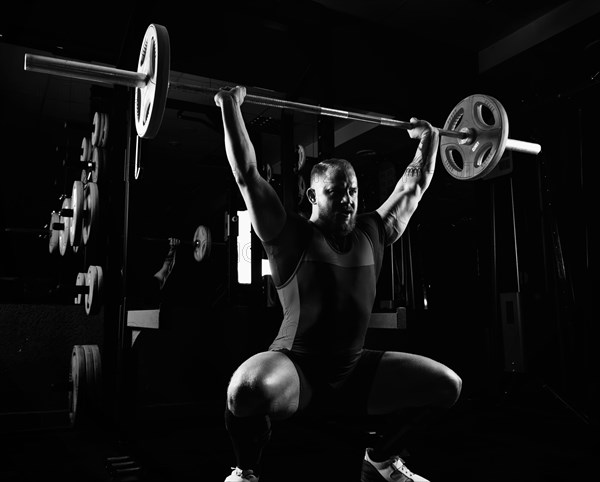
(492,277)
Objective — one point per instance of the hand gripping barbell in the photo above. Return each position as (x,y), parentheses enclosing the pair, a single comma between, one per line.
(470,148)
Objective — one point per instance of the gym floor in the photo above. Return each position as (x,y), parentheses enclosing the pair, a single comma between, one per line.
(529,434)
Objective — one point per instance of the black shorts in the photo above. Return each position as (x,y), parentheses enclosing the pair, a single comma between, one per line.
(347,398)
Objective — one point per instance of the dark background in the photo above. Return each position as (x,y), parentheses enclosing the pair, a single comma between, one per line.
(521,233)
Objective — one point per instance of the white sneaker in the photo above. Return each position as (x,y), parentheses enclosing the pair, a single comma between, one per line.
(239,475)
(392,470)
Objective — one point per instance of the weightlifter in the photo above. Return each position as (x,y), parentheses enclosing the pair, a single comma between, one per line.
(325,269)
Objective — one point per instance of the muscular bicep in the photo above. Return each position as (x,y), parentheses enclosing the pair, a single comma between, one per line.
(397,210)
(266,210)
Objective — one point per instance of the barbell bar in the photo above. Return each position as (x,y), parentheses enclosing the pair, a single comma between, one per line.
(152,84)
(201,242)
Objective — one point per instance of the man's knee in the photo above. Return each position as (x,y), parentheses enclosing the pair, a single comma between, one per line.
(247,395)
(450,387)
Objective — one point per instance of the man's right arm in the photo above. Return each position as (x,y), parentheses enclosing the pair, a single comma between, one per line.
(267,213)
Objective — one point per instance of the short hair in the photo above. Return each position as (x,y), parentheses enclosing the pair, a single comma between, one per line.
(322,167)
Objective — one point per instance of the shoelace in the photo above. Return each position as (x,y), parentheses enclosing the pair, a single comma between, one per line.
(400,466)
(240,473)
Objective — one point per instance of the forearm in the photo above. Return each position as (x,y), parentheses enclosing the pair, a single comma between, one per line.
(397,210)
(419,172)
(238,146)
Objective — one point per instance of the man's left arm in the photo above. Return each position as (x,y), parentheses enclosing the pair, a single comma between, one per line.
(398,208)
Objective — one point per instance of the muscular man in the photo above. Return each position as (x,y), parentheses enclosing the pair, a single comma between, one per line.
(325,269)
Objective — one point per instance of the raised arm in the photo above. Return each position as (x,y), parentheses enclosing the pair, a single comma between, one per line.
(398,208)
(267,213)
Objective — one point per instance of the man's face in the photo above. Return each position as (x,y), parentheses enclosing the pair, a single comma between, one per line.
(335,200)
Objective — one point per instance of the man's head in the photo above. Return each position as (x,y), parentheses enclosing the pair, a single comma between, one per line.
(333,194)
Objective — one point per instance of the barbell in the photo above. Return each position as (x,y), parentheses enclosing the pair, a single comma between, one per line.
(80,214)
(471,145)
(75,224)
(201,242)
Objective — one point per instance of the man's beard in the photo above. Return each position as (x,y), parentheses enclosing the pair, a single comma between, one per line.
(346,226)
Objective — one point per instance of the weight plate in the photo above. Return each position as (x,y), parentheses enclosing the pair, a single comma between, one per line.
(91,281)
(77,207)
(99,290)
(91,206)
(76,377)
(202,243)
(104,134)
(85,384)
(487,122)
(93,374)
(80,281)
(97,131)
(63,234)
(53,229)
(97,162)
(301,158)
(85,150)
(155,62)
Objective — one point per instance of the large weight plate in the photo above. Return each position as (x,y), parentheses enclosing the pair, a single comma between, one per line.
(155,62)
(98,127)
(54,229)
(63,234)
(84,377)
(95,282)
(202,243)
(80,281)
(93,374)
(76,377)
(91,205)
(97,164)
(77,207)
(104,133)
(85,150)
(485,118)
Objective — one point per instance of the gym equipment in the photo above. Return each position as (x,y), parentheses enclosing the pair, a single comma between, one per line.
(52,230)
(62,222)
(93,163)
(100,131)
(77,215)
(85,385)
(201,242)
(58,229)
(477,143)
(89,288)
(91,207)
